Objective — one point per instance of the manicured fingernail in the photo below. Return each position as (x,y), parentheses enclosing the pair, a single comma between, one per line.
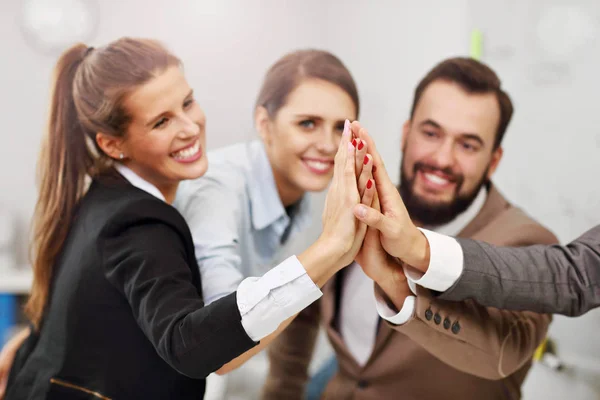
(366,160)
(354,142)
(361,145)
(369,184)
(346,128)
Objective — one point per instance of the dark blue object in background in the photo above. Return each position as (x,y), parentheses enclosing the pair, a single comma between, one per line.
(8,315)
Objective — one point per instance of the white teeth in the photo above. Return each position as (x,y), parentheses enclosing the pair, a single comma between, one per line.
(318,165)
(436,179)
(187,153)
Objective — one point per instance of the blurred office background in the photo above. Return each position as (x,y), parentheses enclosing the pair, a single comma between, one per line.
(546,53)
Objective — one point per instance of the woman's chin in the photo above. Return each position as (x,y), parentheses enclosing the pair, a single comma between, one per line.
(194,171)
(315,184)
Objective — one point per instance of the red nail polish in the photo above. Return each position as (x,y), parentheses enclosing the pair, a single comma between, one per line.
(361,145)
(369,184)
(354,142)
(366,160)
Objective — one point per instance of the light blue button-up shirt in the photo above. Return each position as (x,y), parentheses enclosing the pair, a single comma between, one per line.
(236,217)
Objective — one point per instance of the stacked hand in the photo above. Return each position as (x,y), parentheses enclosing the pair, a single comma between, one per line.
(391,239)
(352,184)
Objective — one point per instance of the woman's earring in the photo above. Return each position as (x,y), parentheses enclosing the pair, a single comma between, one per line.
(121,156)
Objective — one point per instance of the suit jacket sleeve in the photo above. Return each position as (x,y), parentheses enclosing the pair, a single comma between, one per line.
(552,279)
(146,261)
(290,355)
(486,342)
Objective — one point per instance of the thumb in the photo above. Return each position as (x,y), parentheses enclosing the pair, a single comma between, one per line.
(371,217)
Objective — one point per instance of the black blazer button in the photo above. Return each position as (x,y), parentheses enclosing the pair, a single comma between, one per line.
(363,384)
(446,323)
(437,318)
(455,327)
(428,314)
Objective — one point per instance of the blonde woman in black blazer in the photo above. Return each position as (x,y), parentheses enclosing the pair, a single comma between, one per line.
(116,307)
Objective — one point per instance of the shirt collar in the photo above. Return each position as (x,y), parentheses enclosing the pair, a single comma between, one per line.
(454,227)
(138,181)
(264,197)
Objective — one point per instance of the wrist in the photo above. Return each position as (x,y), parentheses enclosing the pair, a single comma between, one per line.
(322,259)
(333,248)
(396,287)
(418,251)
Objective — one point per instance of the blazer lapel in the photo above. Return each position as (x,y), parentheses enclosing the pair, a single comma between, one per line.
(330,304)
(384,333)
(494,205)
(329,310)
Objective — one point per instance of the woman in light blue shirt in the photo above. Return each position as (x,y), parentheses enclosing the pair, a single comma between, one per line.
(254,194)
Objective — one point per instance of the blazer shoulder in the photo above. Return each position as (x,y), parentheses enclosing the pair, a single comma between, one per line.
(515,227)
(121,205)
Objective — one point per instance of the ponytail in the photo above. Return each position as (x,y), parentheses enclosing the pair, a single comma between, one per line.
(88,97)
(62,166)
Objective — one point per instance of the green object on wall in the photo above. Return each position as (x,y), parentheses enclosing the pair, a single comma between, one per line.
(476,45)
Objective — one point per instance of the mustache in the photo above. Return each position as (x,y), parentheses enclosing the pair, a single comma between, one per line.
(450,174)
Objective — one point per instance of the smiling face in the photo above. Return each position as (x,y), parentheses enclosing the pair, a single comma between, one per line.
(165,140)
(302,139)
(448,151)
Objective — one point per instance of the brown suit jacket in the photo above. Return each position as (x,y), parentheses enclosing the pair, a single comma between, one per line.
(486,357)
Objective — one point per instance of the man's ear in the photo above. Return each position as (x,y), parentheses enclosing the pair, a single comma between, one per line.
(405,132)
(496,157)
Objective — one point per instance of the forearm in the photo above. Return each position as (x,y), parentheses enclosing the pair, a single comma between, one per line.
(264,343)
(322,260)
(551,279)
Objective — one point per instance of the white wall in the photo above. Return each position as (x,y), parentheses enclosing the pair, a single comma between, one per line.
(546,53)
(551,150)
(226,47)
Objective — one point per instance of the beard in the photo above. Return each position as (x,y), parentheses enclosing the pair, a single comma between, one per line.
(436,213)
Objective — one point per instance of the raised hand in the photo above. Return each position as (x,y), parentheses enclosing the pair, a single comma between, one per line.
(339,223)
(381,267)
(398,235)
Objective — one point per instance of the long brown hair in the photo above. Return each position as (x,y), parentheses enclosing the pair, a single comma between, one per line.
(473,77)
(90,86)
(290,70)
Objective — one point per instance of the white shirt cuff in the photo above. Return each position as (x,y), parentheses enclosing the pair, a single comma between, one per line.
(279,294)
(445,264)
(387,313)
(411,284)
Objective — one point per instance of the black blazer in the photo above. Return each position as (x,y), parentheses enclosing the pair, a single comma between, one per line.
(126,318)
(545,279)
